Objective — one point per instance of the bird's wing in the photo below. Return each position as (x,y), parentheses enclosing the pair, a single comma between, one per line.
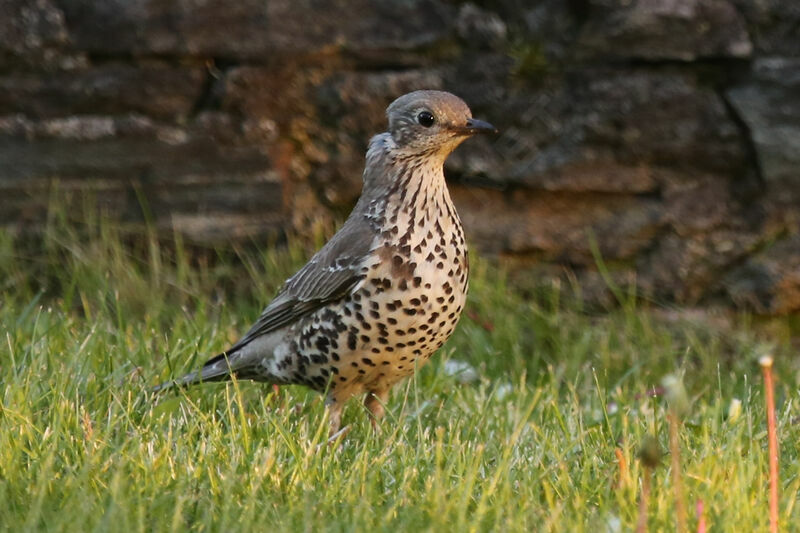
(330,275)
(338,267)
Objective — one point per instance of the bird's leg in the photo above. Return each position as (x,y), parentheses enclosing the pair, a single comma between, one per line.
(374,402)
(335,417)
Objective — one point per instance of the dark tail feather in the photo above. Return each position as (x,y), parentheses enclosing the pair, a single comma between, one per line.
(216,369)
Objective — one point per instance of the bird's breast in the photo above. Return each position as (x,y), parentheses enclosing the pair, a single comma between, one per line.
(419,270)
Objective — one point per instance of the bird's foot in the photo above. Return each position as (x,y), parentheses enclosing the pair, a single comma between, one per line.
(335,440)
(374,402)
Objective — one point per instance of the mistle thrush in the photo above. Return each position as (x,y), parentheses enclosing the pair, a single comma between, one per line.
(388,289)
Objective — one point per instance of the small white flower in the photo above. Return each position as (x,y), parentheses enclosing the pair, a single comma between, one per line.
(734,410)
(613,524)
(503,391)
(461,370)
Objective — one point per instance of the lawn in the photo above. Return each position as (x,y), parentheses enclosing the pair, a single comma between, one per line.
(529,419)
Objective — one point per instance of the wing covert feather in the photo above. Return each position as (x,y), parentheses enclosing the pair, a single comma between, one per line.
(328,277)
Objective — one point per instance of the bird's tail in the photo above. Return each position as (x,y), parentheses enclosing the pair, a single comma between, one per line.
(218,368)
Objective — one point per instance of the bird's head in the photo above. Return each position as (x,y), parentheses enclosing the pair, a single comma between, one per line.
(432,123)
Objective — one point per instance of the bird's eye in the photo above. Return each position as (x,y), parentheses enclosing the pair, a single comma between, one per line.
(425,119)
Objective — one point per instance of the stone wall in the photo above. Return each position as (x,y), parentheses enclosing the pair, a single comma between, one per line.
(661,135)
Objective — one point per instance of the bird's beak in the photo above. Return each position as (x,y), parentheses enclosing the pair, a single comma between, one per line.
(475,126)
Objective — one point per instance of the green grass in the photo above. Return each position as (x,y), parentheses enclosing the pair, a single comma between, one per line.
(92,318)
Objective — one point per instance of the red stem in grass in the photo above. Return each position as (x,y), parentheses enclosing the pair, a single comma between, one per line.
(623,468)
(677,481)
(701,519)
(772,434)
(644,501)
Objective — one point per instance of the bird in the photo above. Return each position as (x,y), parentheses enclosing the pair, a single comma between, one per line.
(387,290)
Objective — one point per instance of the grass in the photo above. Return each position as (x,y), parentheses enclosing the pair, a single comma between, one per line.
(92,318)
